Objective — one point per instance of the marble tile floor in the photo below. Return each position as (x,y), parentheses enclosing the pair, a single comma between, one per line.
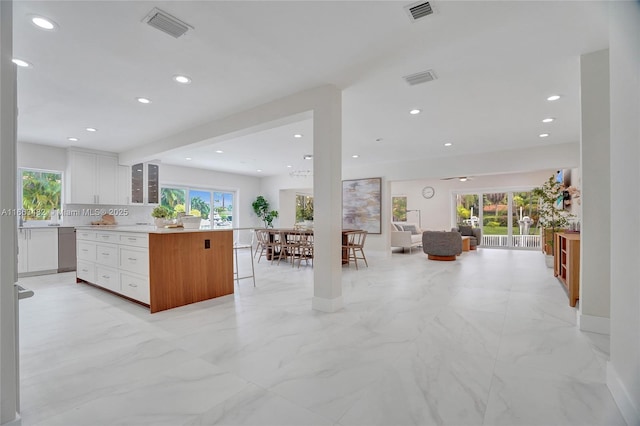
(486,340)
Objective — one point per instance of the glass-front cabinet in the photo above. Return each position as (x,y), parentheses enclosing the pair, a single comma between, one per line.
(145,183)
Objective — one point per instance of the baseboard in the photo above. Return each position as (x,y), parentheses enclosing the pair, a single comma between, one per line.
(630,410)
(327,305)
(15,422)
(593,324)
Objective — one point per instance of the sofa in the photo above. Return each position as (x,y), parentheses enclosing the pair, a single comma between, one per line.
(405,235)
(441,245)
(474,234)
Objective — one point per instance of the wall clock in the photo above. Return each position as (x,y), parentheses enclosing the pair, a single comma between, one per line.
(428,192)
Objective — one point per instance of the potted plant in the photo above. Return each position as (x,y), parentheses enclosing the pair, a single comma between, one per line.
(552,218)
(261,209)
(160,215)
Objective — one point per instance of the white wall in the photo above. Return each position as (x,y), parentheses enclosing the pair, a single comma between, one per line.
(594,156)
(285,186)
(623,372)
(437,212)
(45,157)
(287,205)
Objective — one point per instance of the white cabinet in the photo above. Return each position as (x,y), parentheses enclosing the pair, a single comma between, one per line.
(124,185)
(91,178)
(117,261)
(37,250)
(145,184)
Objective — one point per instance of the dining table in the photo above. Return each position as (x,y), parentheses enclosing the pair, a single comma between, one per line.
(308,231)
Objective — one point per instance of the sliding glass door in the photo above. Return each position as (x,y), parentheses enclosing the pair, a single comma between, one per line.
(507,219)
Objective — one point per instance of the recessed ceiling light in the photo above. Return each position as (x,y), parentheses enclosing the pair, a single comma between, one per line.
(543,135)
(182,79)
(44,23)
(553,98)
(219,151)
(355,156)
(414,111)
(188,158)
(448,144)
(289,166)
(307,156)
(462,179)
(21,63)
(297,136)
(91,129)
(548,120)
(144,100)
(73,139)
(259,170)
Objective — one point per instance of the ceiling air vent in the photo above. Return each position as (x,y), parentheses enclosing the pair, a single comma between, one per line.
(166,23)
(420,77)
(418,10)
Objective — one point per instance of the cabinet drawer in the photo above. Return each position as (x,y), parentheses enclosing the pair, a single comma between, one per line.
(107,255)
(85,235)
(107,278)
(86,251)
(86,271)
(135,287)
(134,260)
(106,237)
(137,240)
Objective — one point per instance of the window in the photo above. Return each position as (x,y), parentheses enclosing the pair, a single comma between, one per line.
(198,202)
(304,207)
(399,209)
(40,193)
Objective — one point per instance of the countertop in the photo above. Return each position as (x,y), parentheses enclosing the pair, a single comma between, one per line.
(45,226)
(148,229)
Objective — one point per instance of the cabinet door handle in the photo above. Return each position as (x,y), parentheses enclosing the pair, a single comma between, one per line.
(132,239)
(85,270)
(133,285)
(106,276)
(85,249)
(133,259)
(105,254)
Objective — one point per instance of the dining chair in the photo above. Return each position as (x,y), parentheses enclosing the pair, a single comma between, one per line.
(268,243)
(355,246)
(289,245)
(305,249)
(239,244)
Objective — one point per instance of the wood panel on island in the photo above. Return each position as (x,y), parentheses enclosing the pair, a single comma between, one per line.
(160,269)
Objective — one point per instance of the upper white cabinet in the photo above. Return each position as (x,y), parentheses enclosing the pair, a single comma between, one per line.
(145,183)
(92,178)
(124,185)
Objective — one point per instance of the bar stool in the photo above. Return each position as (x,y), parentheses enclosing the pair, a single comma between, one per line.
(239,245)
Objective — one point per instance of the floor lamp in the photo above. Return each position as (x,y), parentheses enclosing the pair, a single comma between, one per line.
(419,217)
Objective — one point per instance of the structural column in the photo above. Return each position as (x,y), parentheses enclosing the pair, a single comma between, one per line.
(8,256)
(327,193)
(595,244)
(623,369)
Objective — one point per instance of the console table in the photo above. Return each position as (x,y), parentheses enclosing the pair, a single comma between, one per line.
(566,263)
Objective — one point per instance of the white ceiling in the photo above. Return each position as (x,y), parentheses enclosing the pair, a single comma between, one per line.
(496,63)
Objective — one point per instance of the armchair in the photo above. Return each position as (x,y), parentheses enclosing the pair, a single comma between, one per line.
(475,235)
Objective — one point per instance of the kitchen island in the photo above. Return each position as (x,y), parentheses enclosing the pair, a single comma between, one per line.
(158,268)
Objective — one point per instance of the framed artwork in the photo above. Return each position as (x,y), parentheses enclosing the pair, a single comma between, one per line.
(362,204)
